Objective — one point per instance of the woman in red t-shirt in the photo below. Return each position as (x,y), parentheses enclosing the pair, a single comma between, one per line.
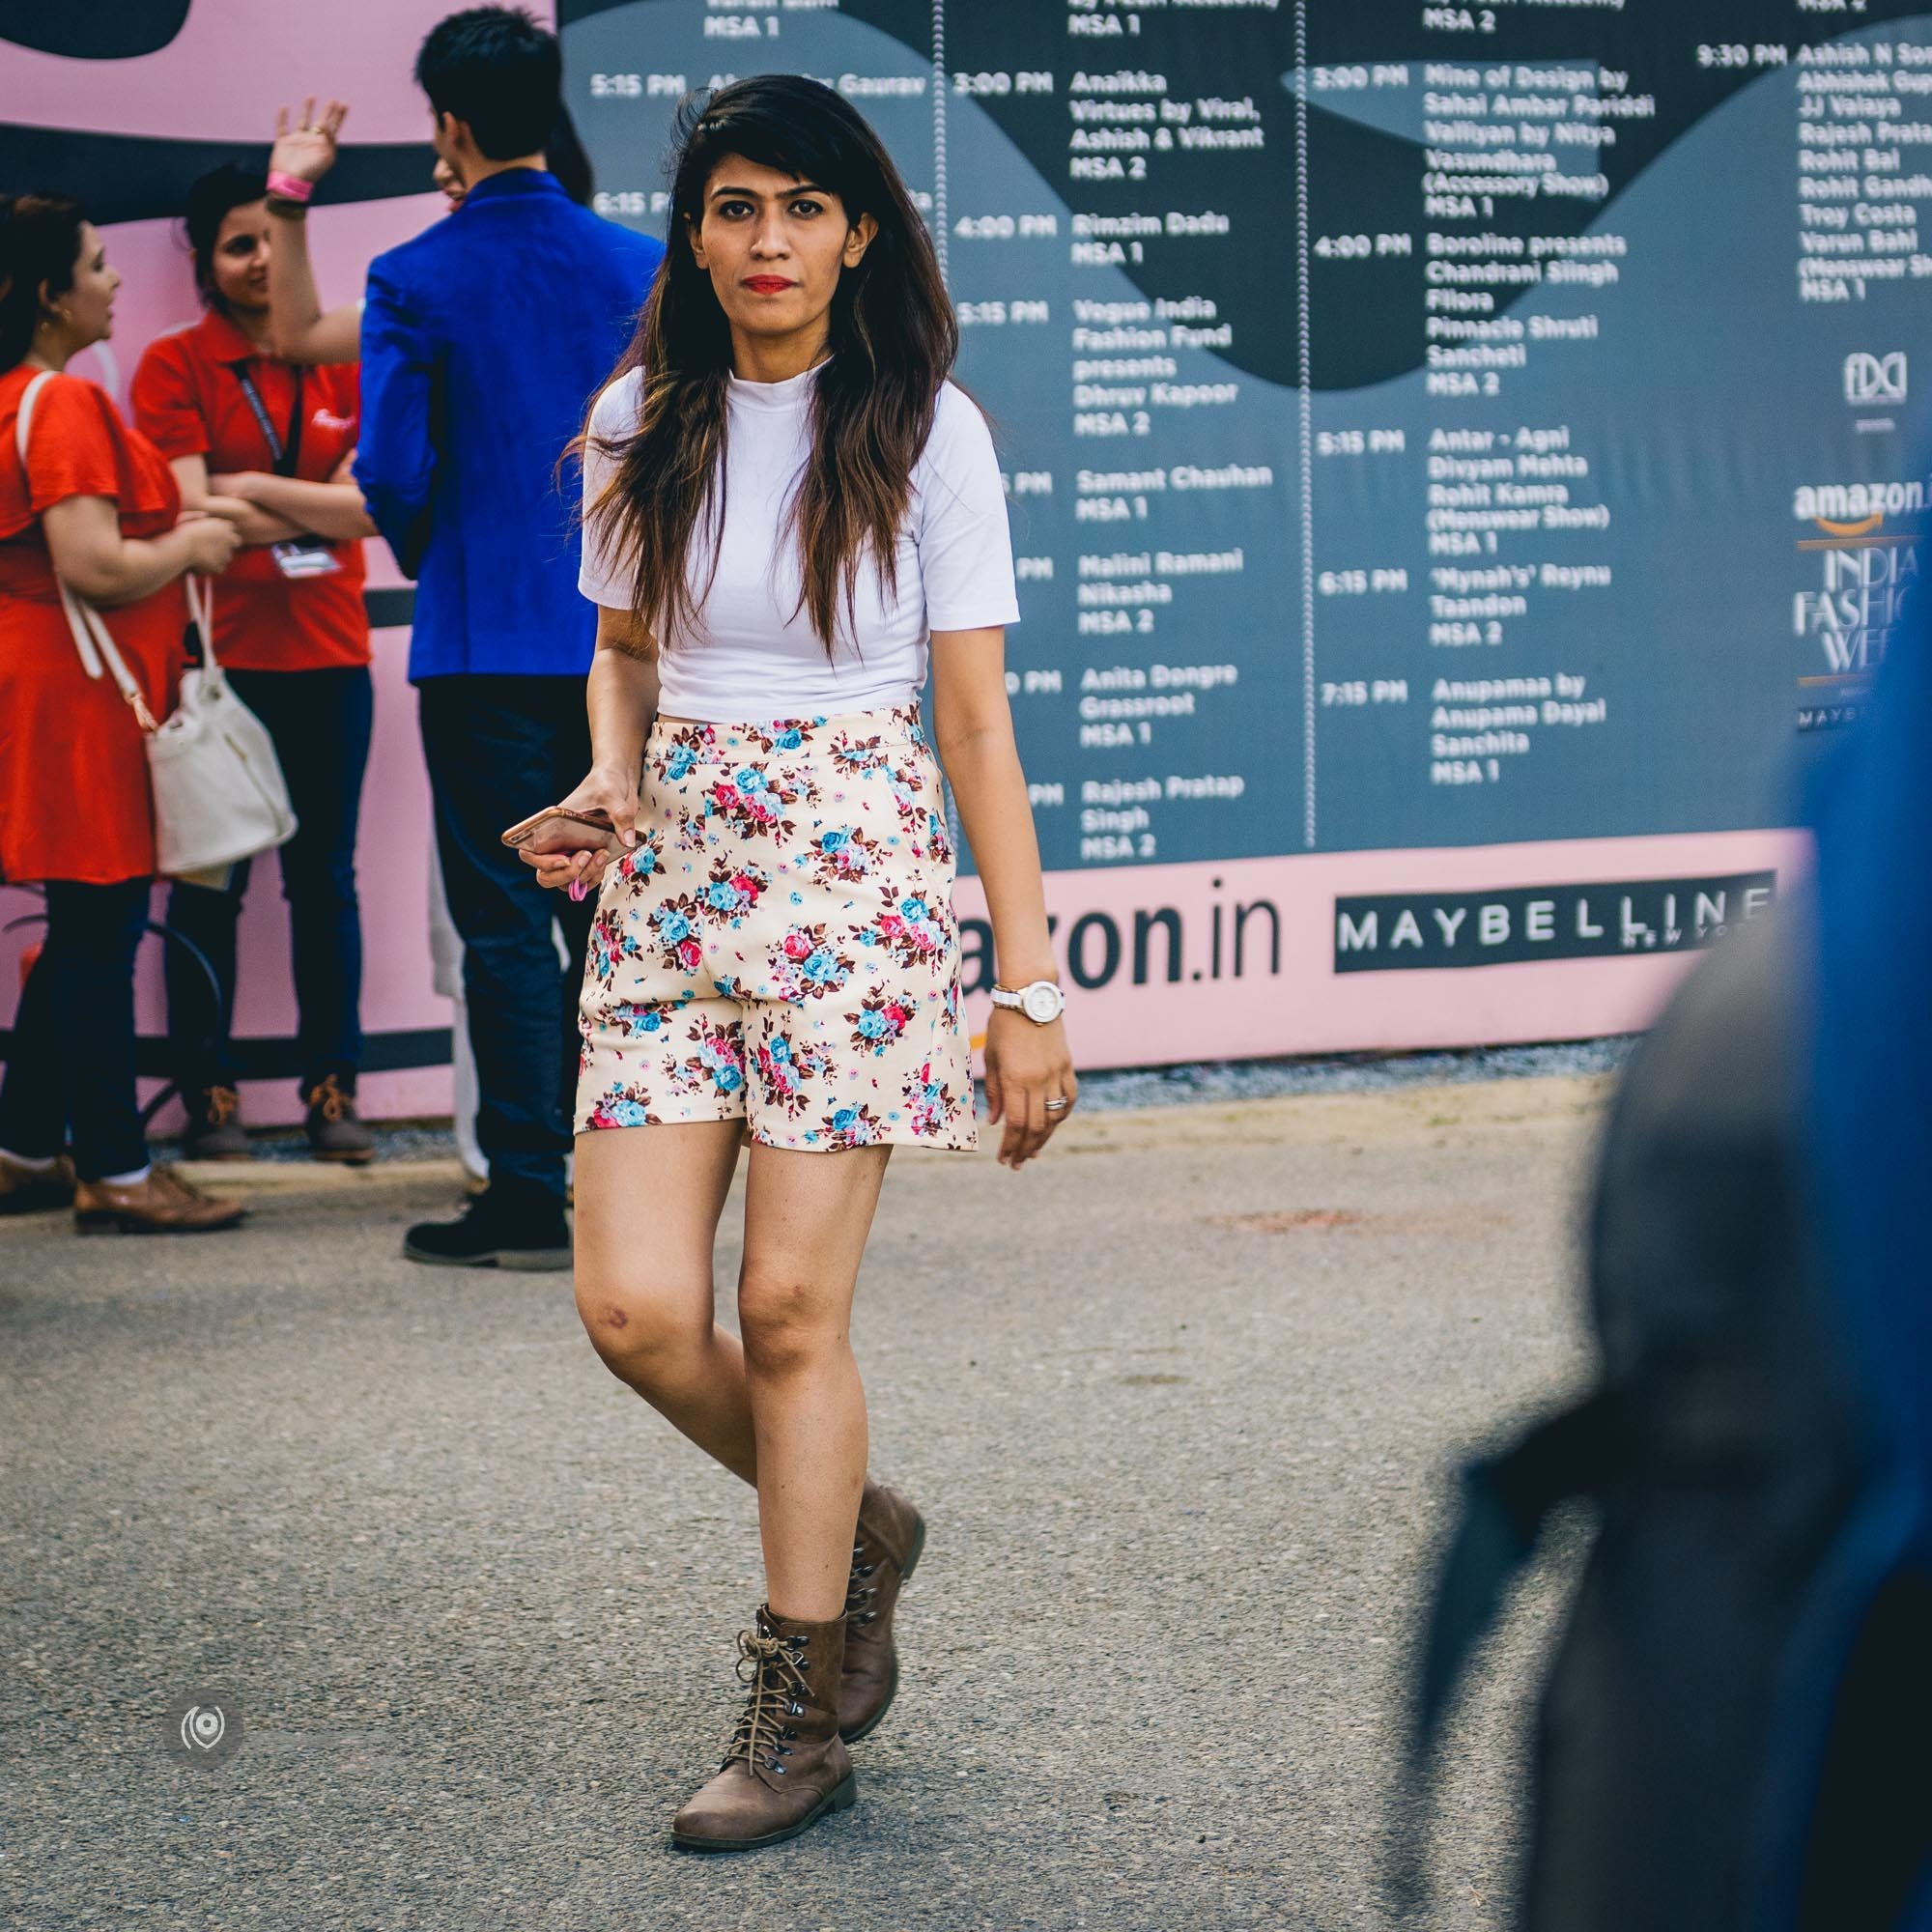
(94,505)
(290,629)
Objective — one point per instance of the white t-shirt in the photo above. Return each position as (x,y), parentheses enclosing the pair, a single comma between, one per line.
(751,658)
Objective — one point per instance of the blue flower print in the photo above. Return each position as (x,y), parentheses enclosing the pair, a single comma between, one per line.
(912,911)
(626,1112)
(672,924)
(835,840)
(726,1079)
(844,1120)
(789,740)
(724,894)
(872,1025)
(821,967)
(781,1048)
(749,779)
(679,764)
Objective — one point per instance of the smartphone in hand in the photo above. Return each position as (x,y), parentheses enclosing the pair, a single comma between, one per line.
(555,829)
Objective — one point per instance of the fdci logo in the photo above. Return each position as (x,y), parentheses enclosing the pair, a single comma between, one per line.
(1875,382)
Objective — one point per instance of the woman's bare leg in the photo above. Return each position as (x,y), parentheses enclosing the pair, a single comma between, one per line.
(806,1217)
(647,1205)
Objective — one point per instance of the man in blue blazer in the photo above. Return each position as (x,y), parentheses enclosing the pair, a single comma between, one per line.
(483,341)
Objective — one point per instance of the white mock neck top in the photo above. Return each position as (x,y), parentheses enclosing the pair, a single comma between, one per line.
(750,658)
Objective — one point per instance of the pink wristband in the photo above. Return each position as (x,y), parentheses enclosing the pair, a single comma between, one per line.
(290,188)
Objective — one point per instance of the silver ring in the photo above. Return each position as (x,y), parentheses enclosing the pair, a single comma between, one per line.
(1055,1106)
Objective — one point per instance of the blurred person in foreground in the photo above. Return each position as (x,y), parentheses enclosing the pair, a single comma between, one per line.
(482,340)
(1734,1730)
(237,423)
(96,507)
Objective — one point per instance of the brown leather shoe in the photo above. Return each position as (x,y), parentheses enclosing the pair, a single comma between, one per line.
(163,1204)
(892,1534)
(214,1129)
(334,1131)
(30,1190)
(785,1767)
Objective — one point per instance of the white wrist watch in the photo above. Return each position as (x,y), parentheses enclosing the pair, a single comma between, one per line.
(1039,1000)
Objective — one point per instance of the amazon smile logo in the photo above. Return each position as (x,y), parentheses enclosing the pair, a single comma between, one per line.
(1856,509)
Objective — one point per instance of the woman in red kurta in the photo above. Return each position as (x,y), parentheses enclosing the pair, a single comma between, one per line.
(235,421)
(96,502)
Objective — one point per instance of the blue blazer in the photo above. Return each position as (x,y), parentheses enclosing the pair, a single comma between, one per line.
(483,341)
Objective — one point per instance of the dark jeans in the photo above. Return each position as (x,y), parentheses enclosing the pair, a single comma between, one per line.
(72,1062)
(500,748)
(320,721)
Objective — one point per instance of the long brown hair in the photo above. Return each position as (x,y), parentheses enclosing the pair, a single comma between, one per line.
(892,342)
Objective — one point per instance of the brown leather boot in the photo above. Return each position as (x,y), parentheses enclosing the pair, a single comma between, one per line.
(892,1534)
(32,1190)
(336,1131)
(785,1767)
(214,1129)
(163,1204)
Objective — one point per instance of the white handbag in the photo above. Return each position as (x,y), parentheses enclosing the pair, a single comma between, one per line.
(219,794)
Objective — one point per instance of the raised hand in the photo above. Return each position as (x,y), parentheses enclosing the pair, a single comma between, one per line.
(307,149)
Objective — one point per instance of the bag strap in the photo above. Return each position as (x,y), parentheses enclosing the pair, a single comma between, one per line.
(201,615)
(91,639)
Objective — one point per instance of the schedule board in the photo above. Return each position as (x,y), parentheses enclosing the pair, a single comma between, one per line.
(1460,460)
(1464,461)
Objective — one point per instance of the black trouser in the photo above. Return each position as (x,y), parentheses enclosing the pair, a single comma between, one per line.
(320,721)
(72,1062)
(500,748)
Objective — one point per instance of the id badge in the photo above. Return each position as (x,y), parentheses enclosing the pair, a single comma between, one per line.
(297,558)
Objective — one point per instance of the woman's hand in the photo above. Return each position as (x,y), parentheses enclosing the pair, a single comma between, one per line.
(1027,1065)
(569,868)
(212,543)
(308,151)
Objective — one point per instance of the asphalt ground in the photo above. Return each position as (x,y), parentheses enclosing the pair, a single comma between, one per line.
(1181,1403)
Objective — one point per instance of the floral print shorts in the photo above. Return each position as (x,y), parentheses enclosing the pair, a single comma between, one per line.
(779,946)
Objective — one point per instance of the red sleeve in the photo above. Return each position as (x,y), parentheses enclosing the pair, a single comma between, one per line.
(72,445)
(167,410)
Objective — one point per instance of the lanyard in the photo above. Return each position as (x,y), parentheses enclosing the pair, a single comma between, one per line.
(287,454)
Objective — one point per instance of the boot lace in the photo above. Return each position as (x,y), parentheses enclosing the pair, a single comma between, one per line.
(331,1099)
(860,1592)
(774,1667)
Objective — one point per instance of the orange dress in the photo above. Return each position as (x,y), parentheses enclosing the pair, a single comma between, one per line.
(75,801)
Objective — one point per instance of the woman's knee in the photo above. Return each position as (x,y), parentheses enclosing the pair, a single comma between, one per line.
(641,1334)
(787,1325)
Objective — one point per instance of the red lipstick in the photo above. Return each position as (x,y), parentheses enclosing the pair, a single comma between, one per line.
(768,285)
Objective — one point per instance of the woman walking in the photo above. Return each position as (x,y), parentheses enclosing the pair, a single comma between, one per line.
(94,506)
(235,422)
(790,513)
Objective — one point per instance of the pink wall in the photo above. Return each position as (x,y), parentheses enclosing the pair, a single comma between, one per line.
(222,80)
(1308,1007)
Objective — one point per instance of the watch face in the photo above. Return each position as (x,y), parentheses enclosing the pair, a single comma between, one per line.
(1042,1001)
